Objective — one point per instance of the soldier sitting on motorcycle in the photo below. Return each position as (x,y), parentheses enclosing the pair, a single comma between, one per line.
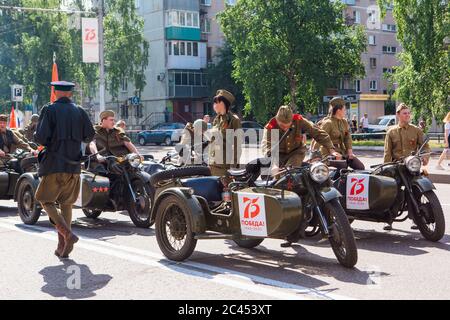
(110,139)
(292,149)
(10,141)
(403,139)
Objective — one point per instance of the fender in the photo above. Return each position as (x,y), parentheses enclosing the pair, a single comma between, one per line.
(191,203)
(423,184)
(32,177)
(329,193)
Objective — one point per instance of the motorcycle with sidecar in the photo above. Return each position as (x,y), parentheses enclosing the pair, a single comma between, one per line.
(117,185)
(247,210)
(386,192)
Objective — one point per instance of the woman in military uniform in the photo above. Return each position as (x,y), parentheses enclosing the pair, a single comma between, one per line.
(224,153)
(339,131)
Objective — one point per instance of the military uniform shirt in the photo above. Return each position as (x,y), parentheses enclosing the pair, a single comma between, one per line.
(112,141)
(401,141)
(339,132)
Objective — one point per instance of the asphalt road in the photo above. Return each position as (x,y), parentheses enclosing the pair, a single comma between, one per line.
(115,260)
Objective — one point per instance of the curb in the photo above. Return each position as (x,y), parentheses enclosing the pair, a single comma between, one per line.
(376,148)
(439,178)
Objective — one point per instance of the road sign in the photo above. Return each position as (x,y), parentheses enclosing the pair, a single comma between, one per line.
(17,93)
(135,101)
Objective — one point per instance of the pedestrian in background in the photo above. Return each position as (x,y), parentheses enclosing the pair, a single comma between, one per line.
(446,152)
(121,124)
(354,124)
(364,123)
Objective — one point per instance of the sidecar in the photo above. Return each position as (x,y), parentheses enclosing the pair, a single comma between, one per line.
(194,210)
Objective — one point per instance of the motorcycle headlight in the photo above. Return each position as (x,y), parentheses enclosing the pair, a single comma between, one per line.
(413,163)
(134,160)
(319,172)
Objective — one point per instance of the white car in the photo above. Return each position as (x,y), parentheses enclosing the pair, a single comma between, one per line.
(383,124)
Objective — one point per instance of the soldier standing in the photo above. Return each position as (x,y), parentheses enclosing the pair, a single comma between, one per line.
(224,154)
(292,149)
(403,139)
(62,127)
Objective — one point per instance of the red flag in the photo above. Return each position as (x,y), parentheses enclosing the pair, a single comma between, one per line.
(54,78)
(12,119)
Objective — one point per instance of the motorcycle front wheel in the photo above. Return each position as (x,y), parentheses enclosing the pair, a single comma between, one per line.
(430,219)
(341,238)
(140,211)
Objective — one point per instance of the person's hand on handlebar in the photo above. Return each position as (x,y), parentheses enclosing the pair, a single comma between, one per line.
(336,154)
(101,158)
(275,169)
(350,154)
(2,153)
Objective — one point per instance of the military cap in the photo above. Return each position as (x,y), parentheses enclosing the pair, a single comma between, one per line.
(337,101)
(284,114)
(107,113)
(225,94)
(34,117)
(3,117)
(62,85)
(401,107)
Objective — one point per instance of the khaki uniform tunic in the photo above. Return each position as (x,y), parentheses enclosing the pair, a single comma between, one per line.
(292,149)
(223,155)
(113,141)
(339,132)
(401,141)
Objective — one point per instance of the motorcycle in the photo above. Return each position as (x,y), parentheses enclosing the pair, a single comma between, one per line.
(119,185)
(386,192)
(247,210)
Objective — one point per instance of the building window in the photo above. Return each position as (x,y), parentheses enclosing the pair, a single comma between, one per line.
(231,2)
(373,85)
(372,16)
(205,2)
(183,19)
(389,27)
(183,48)
(209,54)
(357,17)
(373,63)
(389,49)
(358,85)
(205,25)
(372,40)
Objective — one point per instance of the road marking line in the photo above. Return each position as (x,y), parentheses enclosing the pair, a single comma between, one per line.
(223,275)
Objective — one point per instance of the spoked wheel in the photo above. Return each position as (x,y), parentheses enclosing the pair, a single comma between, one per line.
(29,207)
(140,210)
(248,243)
(430,220)
(92,213)
(173,229)
(341,238)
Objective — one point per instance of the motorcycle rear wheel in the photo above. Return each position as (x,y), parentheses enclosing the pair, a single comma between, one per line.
(341,238)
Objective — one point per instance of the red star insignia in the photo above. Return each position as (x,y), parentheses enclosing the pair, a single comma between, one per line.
(290,185)
(94,189)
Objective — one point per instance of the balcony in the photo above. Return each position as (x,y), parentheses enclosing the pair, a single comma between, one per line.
(188,84)
(182,33)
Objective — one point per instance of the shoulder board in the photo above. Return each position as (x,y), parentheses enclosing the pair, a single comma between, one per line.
(272,124)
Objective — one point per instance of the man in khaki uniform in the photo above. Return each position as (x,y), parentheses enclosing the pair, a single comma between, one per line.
(29,130)
(292,149)
(224,153)
(339,131)
(109,139)
(9,140)
(403,139)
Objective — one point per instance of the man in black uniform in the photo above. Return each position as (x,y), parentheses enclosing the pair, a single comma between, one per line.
(62,127)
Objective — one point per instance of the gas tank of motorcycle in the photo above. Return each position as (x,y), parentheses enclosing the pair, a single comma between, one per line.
(266,212)
(94,193)
(367,192)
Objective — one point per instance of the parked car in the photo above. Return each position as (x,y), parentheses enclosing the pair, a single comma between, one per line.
(383,124)
(246,125)
(166,133)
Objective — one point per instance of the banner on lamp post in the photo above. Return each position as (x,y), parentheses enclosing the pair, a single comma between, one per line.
(89,27)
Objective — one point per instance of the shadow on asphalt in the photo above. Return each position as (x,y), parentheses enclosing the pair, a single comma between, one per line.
(72,280)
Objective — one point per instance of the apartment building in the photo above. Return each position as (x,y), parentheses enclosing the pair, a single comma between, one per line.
(368,95)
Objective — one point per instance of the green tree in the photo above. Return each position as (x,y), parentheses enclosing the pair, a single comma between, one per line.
(290,51)
(423,78)
(220,75)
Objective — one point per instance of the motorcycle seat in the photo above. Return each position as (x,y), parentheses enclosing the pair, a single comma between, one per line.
(210,188)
